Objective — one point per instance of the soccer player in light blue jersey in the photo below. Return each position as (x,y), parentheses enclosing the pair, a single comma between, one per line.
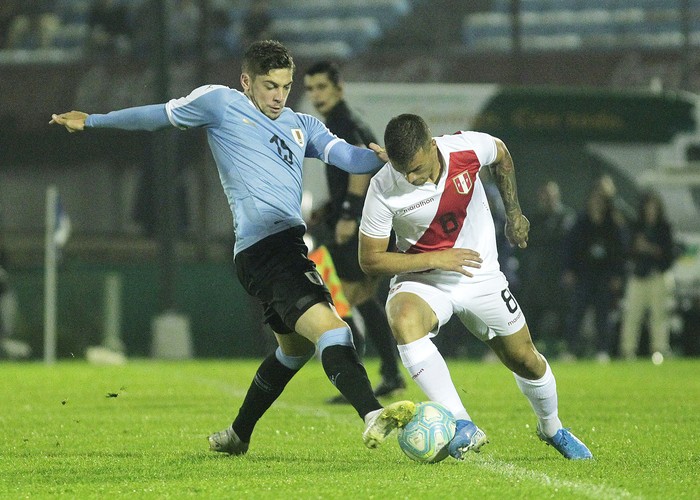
(259,145)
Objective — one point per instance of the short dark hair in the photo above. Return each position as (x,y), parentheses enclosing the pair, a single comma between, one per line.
(330,68)
(404,136)
(263,56)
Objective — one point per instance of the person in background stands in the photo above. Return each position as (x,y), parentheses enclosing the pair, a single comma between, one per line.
(543,296)
(324,88)
(651,255)
(594,269)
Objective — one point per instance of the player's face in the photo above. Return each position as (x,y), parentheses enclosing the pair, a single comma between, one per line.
(424,167)
(322,92)
(268,92)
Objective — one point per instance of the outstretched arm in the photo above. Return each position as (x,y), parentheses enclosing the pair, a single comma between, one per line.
(503,171)
(355,160)
(151,117)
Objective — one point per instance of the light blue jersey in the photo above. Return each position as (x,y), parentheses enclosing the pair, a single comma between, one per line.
(259,159)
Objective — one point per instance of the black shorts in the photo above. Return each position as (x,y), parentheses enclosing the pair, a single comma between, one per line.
(277,271)
(345,259)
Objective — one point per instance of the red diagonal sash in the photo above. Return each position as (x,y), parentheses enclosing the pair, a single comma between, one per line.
(452,210)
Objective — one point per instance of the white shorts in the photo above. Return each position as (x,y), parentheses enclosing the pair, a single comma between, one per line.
(486,308)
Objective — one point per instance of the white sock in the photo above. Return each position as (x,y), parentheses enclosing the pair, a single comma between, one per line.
(542,394)
(428,368)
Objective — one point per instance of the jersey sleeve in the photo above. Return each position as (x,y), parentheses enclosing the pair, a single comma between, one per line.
(329,148)
(319,138)
(150,118)
(484,146)
(377,218)
(203,107)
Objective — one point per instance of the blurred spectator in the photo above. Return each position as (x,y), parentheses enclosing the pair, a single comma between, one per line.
(623,213)
(593,272)
(223,40)
(33,26)
(183,24)
(110,28)
(543,297)
(8,11)
(651,255)
(257,21)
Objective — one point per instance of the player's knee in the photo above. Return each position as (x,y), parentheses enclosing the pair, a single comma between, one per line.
(406,325)
(297,359)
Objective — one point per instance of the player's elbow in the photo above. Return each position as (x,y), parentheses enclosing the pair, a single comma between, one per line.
(366,267)
(368,264)
(370,255)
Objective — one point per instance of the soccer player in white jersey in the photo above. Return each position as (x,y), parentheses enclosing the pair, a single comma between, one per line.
(431,195)
(259,145)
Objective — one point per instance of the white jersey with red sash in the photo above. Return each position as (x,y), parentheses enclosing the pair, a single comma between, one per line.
(452,213)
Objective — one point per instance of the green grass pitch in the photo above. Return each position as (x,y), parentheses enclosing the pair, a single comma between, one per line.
(79,431)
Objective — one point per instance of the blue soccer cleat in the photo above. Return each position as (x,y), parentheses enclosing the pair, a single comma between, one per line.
(567,444)
(467,437)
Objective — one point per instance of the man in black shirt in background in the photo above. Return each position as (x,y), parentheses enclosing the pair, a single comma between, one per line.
(341,216)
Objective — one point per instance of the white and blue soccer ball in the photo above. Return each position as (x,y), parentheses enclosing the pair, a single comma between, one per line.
(426,436)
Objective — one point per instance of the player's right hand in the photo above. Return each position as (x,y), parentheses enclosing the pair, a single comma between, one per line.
(379,151)
(456,260)
(74,121)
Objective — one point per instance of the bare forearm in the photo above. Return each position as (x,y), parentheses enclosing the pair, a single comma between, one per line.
(457,260)
(390,263)
(503,172)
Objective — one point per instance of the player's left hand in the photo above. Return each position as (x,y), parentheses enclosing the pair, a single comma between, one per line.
(379,151)
(74,121)
(345,229)
(517,231)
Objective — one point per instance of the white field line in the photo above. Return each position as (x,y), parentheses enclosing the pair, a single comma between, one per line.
(590,490)
(506,469)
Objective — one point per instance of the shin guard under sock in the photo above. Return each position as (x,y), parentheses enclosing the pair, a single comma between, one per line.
(348,375)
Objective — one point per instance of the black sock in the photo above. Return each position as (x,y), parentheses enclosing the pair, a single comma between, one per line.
(379,333)
(357,338)
(347,373)
(268,383)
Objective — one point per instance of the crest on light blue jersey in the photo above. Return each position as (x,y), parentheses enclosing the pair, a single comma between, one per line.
(298,136)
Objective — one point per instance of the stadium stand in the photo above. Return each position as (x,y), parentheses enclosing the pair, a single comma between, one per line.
(561,25)
(311,28)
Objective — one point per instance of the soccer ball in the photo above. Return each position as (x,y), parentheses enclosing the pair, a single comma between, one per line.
(425,438)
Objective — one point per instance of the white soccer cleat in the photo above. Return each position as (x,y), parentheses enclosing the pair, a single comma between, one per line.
(227,441)
(381,422)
